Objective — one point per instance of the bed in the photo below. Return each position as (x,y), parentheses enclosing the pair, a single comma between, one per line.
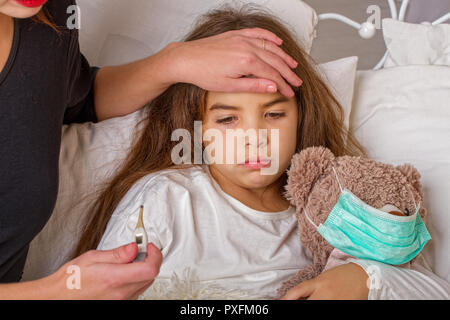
(400,110)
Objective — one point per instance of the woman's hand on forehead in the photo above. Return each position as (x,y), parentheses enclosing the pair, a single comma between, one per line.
(247,60)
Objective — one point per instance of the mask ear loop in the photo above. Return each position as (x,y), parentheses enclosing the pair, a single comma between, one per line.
(417,206)
(306,214)
(337,178)
(309,219)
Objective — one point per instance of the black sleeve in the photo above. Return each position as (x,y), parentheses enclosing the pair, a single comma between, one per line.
(80,105)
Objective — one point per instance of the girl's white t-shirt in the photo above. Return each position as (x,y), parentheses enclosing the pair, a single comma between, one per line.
(213,246)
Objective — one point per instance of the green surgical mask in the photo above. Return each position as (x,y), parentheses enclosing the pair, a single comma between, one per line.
(365,232)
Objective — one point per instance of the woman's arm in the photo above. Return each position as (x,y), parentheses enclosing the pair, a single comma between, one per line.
(217,63)
(93,275)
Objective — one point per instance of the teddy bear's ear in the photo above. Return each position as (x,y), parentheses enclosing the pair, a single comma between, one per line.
(412,175)
(306,167)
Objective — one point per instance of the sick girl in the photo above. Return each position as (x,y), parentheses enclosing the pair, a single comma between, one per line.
(226,229)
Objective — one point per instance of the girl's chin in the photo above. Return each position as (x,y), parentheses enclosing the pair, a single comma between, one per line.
(255,180)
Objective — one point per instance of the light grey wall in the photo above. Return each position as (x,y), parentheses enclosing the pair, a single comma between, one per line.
(427,10)
(337,40)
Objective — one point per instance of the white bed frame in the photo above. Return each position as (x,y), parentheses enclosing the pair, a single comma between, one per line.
(367,30)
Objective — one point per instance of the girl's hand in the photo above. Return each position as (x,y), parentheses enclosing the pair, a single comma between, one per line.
(345,282)
(220,63)
(106,274)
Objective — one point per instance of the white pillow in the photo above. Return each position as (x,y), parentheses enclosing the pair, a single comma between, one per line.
(90,154)
(402,115)
(116,31)
(409,43)
(340,75)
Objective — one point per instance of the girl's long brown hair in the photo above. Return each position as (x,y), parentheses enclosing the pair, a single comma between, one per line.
(44,18)
(321,117)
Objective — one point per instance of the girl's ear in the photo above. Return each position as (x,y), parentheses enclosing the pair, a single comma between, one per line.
(306,167)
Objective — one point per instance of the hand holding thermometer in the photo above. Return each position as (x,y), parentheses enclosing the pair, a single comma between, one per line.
(141,237)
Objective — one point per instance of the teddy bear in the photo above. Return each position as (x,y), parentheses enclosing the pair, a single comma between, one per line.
(315,181)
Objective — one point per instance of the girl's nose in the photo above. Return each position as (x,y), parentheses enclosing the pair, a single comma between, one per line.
(260,139)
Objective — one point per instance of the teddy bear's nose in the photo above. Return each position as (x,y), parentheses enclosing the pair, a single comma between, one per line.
(392,210)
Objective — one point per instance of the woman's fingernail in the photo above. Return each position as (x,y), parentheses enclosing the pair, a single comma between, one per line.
(271,89)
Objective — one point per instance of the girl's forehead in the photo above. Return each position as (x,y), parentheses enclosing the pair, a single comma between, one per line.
(244,99)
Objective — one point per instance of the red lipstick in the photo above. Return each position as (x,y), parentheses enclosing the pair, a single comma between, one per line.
(31,3)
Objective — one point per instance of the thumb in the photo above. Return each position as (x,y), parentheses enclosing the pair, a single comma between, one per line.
(253,85)
(123,254)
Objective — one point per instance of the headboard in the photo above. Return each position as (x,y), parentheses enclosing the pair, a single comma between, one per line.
(368,29)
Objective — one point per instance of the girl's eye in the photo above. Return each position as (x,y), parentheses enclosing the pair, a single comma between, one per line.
(275,115)
(226,120)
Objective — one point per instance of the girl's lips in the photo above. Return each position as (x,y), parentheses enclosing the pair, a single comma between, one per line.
(256,165)
(31,3)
